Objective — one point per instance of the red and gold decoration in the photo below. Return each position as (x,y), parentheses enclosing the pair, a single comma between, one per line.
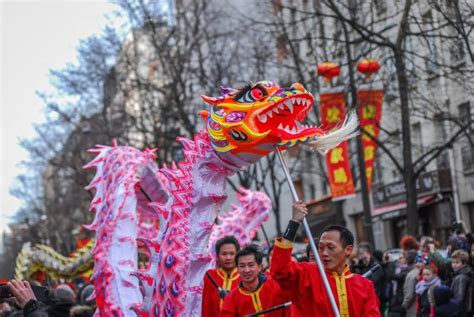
(369,101)
(333,113)
(328,70)
(368,67)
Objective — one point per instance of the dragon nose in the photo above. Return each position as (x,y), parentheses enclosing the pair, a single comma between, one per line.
(298,86)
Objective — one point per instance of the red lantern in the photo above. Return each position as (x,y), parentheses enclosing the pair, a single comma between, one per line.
(328,70)
(368,67)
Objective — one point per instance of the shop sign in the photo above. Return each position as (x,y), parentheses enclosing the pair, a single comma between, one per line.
(426,184)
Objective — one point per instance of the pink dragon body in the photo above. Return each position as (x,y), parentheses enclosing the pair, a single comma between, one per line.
(172,211)
(244,220)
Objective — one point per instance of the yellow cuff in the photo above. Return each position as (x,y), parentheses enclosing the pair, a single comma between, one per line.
(283,245)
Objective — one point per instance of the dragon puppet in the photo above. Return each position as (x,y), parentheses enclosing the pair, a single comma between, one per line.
(243,222)
(42,258)
(172,210)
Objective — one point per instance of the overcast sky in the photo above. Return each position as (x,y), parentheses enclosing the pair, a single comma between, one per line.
(35,36)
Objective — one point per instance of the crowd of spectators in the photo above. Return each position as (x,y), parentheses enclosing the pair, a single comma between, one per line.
(424,281)
(61,300)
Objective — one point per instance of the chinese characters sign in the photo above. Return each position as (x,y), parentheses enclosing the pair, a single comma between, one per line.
(370,111)
(333,113)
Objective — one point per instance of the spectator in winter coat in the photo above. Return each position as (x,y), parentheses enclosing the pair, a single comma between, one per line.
(462,278)
(441,298)
(63,300)
(430,280)
(409,295)
(365,261)
(398,282)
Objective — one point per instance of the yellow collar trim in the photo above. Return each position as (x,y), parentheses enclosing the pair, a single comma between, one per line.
(342,290)
(227,279)
(255,295)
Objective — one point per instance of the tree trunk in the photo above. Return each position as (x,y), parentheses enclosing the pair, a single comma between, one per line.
(364,189)
(409,172)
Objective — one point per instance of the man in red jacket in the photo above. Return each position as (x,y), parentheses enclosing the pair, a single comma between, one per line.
(354,294)
(225,276)
(256,291)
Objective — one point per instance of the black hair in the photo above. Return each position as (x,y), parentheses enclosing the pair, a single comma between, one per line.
(410,256)
(346,236)
(227,240)
(378,255)
(248,250)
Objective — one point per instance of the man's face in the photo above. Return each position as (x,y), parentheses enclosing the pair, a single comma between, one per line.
(248,268)
(226,256)
(456,264)
(333,254)
(364,255)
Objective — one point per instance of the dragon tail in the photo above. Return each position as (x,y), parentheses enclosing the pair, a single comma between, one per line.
(116,227)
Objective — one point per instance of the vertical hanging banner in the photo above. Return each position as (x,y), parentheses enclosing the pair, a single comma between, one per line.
(369,101)
(333,113)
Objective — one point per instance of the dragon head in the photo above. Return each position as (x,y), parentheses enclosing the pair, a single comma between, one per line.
(256,118)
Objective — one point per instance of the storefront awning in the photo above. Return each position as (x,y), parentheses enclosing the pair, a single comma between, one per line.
(420,202)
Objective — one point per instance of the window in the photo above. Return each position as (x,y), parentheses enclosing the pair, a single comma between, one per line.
(442,161)
(467,152)
(457,50)
(465,115)
(467,155)
(324,186)
(439,131)
(378,170)
(431,56)
(417,140)
(312,191)
(380,7)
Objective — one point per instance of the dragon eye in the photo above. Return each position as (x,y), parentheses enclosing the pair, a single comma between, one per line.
(256,94)
(251,95)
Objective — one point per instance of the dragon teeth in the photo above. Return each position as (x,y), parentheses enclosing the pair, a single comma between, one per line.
(280,126)
(289,104)
(281,106)
(262,118)
(270,114)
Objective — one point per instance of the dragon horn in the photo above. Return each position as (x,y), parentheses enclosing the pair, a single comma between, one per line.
(227,91)
(209,100)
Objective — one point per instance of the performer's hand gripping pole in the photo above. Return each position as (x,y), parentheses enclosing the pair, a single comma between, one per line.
(310,238)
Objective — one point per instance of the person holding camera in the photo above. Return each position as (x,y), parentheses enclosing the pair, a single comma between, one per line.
(26,299)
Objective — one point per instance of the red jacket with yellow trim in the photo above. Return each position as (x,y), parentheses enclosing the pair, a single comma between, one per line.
(240,302)
(211,303)
(354,294)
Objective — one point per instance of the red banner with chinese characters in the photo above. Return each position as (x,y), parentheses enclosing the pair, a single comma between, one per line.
(333,113)
(369,102)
